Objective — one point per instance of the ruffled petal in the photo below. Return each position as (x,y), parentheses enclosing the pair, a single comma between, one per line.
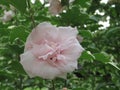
(44,31)
(51,51)
(34,67)
(71,49)
(41,50)
(67,32)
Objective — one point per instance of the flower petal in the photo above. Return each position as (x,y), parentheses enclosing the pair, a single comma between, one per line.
(51,51)
(71,49)
(36,68)
(67,32)
(44,31)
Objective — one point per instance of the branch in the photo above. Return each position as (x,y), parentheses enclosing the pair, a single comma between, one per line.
(31,13)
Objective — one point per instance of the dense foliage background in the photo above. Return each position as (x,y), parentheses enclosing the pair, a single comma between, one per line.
(99,64)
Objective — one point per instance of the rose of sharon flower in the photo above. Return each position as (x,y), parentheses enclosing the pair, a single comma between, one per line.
(51,51)
(8,15)
(55,7)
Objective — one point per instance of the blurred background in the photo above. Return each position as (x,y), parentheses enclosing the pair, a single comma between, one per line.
(98,23)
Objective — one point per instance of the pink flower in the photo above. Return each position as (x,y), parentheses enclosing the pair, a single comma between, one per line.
(8,15)
(51,51)
(55,7)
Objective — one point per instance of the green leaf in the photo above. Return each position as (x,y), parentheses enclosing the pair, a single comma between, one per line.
(113,31)
(17,67)
(4,31)
(28,88)
(86,33)
(20,5)
(44,88)
(15,48)
(4,2)
(83,3)
(114,65)
(99,86)
(64,2)
(87,55)
(103,57)
(94,18)
(92,48)
(78,89)
(6,74)
(74,16)
(18,32)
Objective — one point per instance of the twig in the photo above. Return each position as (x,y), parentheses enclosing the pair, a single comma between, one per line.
(53,85)
(31,13)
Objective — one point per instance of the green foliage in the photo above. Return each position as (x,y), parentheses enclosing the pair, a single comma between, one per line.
(20,5)
(87,55)
(103,57)
(86,34)
(99,64)
(18,32)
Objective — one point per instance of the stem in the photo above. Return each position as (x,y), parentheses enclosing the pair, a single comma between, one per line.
(93,83)
(31,13)
(53,85)
(20,84)
(42,6)
(65,83)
